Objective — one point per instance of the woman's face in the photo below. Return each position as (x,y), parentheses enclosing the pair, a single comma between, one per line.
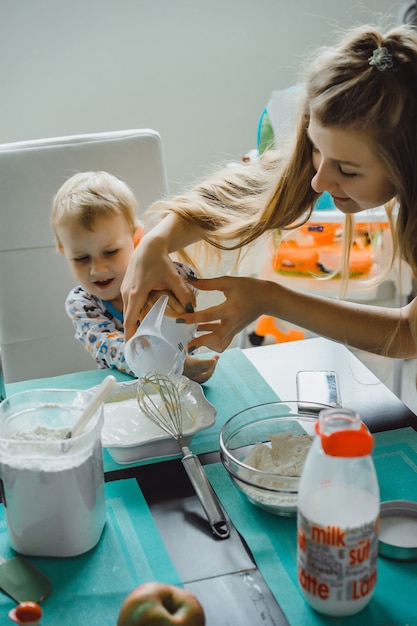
(347,168)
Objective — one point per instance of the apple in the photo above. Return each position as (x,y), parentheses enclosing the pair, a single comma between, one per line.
(161,604)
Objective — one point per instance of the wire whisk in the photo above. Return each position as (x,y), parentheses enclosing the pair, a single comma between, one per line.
(160,401)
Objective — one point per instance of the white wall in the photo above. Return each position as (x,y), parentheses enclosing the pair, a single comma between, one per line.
(198,71)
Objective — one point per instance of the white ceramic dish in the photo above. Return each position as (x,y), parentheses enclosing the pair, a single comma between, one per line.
(130,436)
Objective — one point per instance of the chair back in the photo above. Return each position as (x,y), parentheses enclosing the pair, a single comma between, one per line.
(36,335)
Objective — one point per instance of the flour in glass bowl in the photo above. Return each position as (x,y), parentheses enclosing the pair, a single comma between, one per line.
(282,459)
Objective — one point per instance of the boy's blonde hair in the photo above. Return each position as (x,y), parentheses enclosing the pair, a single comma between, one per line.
(88,196)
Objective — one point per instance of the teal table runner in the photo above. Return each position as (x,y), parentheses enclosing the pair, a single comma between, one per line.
(235,385)
(272,540)
(89,589)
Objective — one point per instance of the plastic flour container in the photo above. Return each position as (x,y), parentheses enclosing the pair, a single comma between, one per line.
(52,487)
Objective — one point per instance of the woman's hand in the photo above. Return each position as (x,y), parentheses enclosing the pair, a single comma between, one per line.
(150,269)
(242,305)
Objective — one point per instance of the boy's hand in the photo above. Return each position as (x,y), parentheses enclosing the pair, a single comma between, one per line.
(200,370)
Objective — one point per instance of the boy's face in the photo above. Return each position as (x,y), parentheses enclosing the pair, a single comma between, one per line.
(99,257)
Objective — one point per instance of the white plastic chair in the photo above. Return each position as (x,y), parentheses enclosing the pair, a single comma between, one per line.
(36,336)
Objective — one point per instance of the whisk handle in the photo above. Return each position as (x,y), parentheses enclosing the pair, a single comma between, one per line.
(206,495)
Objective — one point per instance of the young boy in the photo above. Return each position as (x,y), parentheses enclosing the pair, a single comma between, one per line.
(95,225)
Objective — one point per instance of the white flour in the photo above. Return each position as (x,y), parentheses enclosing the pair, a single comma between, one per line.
(54,504)
(43,433)
(284,457)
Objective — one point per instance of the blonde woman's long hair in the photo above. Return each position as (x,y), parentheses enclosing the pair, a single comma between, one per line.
(236,206)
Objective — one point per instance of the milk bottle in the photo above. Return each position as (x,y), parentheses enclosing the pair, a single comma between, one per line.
(338,514)
(52,487)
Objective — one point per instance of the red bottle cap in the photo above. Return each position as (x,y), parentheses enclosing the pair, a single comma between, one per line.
(347,443)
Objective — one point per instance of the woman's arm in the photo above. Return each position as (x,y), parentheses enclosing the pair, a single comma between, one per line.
(226,207)
(151,269)
(381,330)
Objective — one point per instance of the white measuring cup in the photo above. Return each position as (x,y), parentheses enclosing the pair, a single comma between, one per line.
(159,344)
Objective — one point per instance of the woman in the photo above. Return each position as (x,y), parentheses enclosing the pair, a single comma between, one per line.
(357,140)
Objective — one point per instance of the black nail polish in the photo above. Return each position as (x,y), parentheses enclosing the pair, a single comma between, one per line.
(189,307)
(180,320)
(192,277)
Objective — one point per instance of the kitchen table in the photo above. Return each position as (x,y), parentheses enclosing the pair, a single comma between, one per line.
(156,528)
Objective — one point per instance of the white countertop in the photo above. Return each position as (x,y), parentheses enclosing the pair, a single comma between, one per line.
(360,389)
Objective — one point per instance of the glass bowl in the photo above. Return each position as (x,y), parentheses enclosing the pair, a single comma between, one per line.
(263,448)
